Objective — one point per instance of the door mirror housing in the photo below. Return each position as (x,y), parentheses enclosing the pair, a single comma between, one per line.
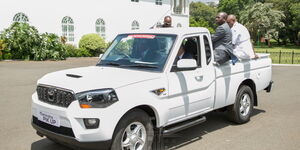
(186,64)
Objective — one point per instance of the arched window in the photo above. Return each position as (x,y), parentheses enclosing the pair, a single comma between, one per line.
(100,27)
(179,6)
(68,28)
(20,17)
(135,25)
(179,25)
(158,2)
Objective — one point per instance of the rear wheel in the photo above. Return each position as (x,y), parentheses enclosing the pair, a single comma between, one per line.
(240,112)
(134,132)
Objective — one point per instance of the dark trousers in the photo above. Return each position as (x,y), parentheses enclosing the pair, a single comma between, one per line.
(221,56)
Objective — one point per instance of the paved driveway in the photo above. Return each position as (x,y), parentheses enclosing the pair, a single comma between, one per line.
(275,124)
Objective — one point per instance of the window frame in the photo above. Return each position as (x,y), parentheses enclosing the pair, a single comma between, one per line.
(179,7)
(68,28)
(158,2)
(199,64)
(100,23)
(135,25)
(20,17)
(208,61)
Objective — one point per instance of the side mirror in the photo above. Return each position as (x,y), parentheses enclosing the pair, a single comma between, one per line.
(100,56)
(186,64)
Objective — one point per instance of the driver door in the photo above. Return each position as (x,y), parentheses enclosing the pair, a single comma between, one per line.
(190,91)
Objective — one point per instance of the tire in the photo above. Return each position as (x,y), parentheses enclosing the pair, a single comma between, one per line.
(240,112)
(133,132)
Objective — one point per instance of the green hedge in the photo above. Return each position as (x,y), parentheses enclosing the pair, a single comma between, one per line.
(73,51)
(93,43)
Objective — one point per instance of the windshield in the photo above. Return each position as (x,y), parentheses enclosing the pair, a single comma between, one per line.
(139,51)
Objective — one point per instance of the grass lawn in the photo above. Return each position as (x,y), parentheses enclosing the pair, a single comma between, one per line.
(296,49)
(281,54)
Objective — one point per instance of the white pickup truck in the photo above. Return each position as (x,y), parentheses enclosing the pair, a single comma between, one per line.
(139,91)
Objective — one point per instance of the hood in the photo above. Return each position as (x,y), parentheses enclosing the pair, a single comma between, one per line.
(94,77)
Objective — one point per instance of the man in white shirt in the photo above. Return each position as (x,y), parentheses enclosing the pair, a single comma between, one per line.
(242,46)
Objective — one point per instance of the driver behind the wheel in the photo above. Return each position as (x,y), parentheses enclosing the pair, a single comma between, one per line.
(140,49)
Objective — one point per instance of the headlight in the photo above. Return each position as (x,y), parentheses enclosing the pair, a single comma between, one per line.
(97,98)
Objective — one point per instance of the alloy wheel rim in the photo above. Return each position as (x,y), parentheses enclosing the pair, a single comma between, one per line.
(134,137)
(245,104)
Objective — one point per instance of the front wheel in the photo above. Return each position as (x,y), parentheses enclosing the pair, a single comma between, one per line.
(133,132)
(240,112)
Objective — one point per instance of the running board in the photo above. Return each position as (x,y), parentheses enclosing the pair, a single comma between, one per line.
(183,125)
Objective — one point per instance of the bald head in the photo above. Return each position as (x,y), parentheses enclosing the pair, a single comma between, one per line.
(167,21)
(221,18)
(231,19)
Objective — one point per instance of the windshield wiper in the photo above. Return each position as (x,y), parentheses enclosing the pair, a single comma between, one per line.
(142,66)
(111,64)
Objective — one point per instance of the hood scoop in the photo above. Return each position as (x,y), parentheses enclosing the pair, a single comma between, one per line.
(73,75)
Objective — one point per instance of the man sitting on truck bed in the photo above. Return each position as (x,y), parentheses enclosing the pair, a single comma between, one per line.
(222,40)
(242,46)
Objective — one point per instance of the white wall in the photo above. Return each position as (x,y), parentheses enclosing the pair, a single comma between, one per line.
(118,15)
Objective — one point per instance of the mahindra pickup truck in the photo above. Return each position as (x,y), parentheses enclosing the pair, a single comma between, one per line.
(139,91)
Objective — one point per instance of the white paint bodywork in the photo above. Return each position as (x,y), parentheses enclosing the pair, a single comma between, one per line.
(188,93)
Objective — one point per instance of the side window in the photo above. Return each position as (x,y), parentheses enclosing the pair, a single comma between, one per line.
(190,49)
(207,49)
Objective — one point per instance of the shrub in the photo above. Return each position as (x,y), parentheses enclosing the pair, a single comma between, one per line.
(73,51)
(20,39)
(7,56)
(23,41)
(70,50)
(52,45)
(4,52)
(2,47)
(93,43)
(82,53)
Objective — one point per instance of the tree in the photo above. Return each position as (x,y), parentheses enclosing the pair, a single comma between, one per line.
(200,23)
(234,6)
(290,8)
(262,19)
(200,11)
(295,12)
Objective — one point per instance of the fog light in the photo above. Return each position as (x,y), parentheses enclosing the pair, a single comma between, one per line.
(91,123)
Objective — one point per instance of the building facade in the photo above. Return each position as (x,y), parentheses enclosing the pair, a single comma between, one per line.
(74,18)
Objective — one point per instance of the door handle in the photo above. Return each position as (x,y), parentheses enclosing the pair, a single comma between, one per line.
(199,78)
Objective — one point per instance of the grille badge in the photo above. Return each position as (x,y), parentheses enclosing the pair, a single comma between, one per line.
(51,92)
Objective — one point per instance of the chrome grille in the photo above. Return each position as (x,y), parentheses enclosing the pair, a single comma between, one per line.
(55,96)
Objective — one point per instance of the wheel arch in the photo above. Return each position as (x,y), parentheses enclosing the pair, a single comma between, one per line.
(252,85)
(149,110)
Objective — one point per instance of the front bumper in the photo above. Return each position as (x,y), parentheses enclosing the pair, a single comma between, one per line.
(66,137)
(71,128)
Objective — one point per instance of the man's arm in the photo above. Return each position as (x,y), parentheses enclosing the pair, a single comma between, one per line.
(220,33)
